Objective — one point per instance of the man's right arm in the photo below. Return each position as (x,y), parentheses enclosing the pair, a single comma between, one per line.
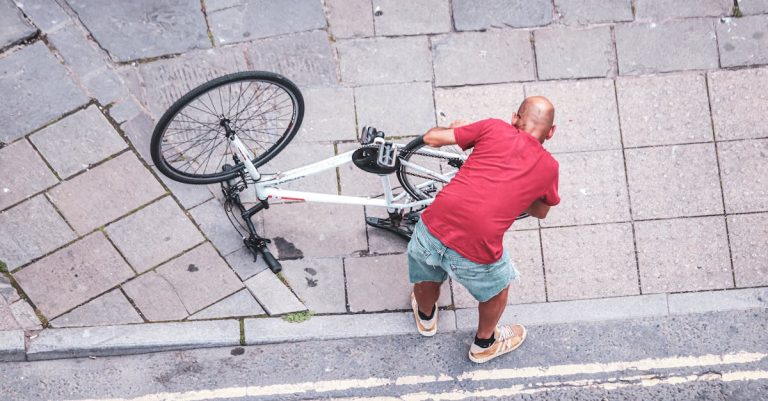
(538,209)
(438,136)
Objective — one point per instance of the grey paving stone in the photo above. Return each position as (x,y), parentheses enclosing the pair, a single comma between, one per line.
(412,103)
(189,195)
(592,189)
(675,181)
(744,173)
(482,57)
(212,219)
(144,29)
(304,58)
(105,193)
(524,249)
(673,260)
(24,173)
(244,20)
(753,6)
(475,103)
(273,295)
(350,18)
(411,18)
(77,141)
(329,115)
(35,80)
(105,85)
(166,80)
(200,277)
(319,283)
(749,246)
(382,241)
(638,306)
(7,320)
(742,41)
(651,112)
(79,54)
(607,270)
(238,304)
(586,114)
(155,297)
(93,266)
(574,53)
(111,308)
(45,14)
(380,283)
(124,110)
(471,15)
(245,264)
(274,330)
(154,234)
(139,131)
(396,60)
(738,99)
(661,9)
(7,292)
(583,12)
(133,339)
(666,46)
(25,315)
(315,229)
(708,301)
(31,230)
(12,346)
(15,27)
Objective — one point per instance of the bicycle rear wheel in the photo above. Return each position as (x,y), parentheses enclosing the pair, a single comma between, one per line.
(424,170)
(190,144)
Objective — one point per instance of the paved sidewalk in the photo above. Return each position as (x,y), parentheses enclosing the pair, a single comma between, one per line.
(662,144)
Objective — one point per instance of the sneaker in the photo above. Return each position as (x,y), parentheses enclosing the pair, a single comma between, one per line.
(426,328)
(508,338)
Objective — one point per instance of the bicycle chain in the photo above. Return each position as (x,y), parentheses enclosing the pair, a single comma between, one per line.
(401,151)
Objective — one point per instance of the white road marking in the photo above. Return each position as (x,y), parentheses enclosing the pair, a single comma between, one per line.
(488,375)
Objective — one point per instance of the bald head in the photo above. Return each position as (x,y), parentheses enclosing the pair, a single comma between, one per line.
(536,116)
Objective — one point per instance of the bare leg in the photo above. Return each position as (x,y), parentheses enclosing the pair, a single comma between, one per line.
(426,293)
(490,313)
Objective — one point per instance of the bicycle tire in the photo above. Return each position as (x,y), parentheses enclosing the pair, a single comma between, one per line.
(240,117)
(408,179)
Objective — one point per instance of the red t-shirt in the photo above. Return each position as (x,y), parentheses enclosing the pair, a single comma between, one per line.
(506,172)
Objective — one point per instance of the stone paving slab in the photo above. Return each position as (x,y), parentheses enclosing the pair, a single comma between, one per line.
(14,27)
(472,15)
(350,18)
(753,6)
(475,103)
(662,9)
(384,60)
(748,236)
(584,12)
(73,275)
(109,309)
(264,331)
(319,283)
(241,303)
(744,173)
(666,46)
(155,297)
(592,188)
(273,295)
(78,141)
(735,48)
(24,173)
(238,21)
(139,132)
(395,17)
(738,99)
(31,230)
(482,57)
(672,260)
(7,320)
(143,29)
(574,53)
(398,110)
(43,86)
(674,181)
(188,195)
(608,270)
(47,15)
(702,302)
(329,115)
(154,234)
(586,114)
(305,58)
(212,219)
(90,200)
(132,339)
(25,315)
(7,291)
(651,112)
(245,264)
(12,346)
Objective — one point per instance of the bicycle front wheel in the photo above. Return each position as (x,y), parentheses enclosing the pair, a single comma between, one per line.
(190,142)
(424,170)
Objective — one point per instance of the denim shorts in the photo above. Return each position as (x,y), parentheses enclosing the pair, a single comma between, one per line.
(430,260)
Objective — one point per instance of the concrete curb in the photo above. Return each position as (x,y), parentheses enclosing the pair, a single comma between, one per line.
(154,337)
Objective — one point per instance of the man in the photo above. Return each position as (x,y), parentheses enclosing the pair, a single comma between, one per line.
(460,234)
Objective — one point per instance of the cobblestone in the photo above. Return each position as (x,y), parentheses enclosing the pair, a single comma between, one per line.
(394,60)
(472,15)
(14,28)
(304,58)
(413,104)
(329,115)
(735,48)
(242,20)
(412,18)
(24,173)
(662,9)
(753,6)
(583,12)
(574,53)
(350,18)
(475,103)
(45,14)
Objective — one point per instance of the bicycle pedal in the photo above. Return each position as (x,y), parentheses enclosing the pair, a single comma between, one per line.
(387,155)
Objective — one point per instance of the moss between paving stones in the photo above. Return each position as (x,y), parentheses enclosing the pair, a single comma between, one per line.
(298,317)
(3,267)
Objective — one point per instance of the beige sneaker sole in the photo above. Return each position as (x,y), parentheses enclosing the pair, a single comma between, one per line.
(499,353)
(420,327)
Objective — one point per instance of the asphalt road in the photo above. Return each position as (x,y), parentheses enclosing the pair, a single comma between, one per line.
(714,356)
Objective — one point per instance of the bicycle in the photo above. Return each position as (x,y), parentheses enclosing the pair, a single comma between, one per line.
(242,120)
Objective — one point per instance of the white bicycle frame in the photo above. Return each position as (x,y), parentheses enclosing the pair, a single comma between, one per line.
(267,186)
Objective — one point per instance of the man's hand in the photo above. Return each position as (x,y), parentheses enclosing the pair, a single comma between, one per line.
(538,209)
